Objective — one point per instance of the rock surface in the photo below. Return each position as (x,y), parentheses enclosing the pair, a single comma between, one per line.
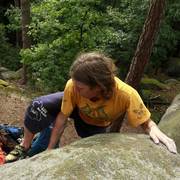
(151,84)
(170,122)
(10,75)
(105,156)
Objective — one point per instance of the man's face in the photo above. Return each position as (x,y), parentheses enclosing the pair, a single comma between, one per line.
(85,90)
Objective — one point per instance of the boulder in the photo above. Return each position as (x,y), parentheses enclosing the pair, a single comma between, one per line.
(104,156)
(10,75)
(20,72)
(4,83)
(154,98)
(151,84)
(3,69)
(172,81)
(170,122)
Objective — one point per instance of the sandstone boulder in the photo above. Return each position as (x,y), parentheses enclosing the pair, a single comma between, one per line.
(170,122)
(100,157)
(151,84)
(10,75)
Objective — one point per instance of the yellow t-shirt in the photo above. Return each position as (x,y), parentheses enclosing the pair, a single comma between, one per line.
(103,112)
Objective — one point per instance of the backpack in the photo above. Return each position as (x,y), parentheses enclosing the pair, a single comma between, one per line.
(2,155)
(10,136)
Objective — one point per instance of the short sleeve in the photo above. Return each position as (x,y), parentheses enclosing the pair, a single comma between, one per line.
(137,113)
(68,102)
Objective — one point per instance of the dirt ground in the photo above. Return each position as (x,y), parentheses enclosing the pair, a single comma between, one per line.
(12,111)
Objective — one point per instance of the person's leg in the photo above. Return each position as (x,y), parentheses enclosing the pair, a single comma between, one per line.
(39,115)
(83,129)
(42,141)
(42,111)
(28,137)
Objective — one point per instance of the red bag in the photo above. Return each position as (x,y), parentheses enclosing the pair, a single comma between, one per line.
(2,155)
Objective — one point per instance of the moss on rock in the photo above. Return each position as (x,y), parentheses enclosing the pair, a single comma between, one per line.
(10,75)
(4,83)
(151,97)
(103,156)
(151,84)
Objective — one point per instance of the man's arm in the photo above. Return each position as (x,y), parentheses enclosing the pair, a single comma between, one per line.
(58,130)
(157,136)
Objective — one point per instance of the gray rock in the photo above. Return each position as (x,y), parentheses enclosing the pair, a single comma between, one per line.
(172,81)
(10,75)
(170,122)
(3,69)
(151,84)
(20,72)
(151,97)
(100,157)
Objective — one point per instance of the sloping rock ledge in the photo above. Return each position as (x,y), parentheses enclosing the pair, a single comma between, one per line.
(105,156)
(170,122)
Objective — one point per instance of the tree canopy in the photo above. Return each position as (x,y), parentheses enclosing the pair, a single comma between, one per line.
(61,29)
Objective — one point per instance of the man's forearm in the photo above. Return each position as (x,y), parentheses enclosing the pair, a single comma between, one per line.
(148,125)
(58,130)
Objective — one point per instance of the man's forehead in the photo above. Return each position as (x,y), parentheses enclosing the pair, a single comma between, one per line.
(80,84)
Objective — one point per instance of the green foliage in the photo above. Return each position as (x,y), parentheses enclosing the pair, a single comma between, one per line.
(9,56)
(14,17)
(49,64)
(156,116)
(61,29)
(168,37)
(125,23)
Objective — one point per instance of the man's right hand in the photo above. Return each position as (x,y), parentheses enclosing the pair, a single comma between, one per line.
(58,129)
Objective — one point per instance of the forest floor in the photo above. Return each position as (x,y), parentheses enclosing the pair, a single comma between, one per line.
(12,111)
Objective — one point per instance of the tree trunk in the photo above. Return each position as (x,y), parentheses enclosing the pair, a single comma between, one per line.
(26,40)
(146,42)
(144,49)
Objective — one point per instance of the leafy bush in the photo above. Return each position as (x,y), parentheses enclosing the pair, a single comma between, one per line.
(61,29)
(9,56)
(49,63)
(14,17)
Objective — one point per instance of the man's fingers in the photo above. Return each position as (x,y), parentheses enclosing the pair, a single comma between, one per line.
(154,138)
(171,146)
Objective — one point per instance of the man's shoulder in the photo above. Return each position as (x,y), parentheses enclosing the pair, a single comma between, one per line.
(69,83)
(123,87)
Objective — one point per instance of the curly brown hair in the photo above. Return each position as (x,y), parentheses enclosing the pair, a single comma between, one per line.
(95,70)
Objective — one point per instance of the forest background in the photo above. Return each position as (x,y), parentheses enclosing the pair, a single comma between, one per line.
(59,30)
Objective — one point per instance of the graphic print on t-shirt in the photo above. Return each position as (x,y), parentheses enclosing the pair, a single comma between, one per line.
(37,111)
(140,112)
(97,113)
